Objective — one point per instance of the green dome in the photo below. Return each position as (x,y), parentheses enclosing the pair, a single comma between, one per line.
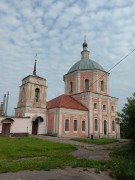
(85,64)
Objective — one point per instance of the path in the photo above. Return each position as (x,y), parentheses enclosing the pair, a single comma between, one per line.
(57,174)
(87,150)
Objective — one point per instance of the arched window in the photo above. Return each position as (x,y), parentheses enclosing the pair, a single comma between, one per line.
(102,86)
(37,94)
(66,125)
(112,108)
(71,86)
(86,84)
(113,125)
(75,125)
(95,105)
(83,125)
(96,125)
(104,107)
(105,127)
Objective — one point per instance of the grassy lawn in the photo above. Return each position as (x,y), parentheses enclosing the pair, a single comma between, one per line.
(17,153)
(27,153)
(95,141)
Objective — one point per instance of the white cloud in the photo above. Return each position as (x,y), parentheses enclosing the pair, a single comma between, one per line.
(55,31)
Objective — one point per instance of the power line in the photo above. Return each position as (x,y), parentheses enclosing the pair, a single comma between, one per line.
(121,60)
(114,66)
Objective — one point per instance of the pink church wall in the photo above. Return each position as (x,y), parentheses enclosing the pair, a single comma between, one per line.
(50,122)
(86,75)
(88,99)
(56,122)
(72,115)
(71,78)
(102,76)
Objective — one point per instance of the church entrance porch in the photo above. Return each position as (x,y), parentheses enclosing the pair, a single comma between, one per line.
(35,124)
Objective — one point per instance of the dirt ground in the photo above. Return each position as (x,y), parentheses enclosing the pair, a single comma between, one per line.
(85,150)
(58,174)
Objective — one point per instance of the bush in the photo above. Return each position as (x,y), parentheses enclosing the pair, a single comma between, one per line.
(123,163)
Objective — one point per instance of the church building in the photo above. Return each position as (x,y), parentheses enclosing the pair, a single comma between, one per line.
(85,109)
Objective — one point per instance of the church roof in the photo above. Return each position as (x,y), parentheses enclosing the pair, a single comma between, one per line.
(86,64)
(65,101)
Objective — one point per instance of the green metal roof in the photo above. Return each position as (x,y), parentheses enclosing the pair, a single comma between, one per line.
(86,64)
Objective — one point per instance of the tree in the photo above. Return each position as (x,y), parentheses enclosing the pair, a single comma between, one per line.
(128,118)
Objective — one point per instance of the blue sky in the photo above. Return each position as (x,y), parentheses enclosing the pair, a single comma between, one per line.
(55,31)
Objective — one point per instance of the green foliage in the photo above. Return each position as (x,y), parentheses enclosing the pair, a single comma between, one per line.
(95,141)
(123,163)
(128,119)
(125,131)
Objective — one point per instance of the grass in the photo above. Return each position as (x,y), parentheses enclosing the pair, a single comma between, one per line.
(123,163)
(17,154)
(95,141)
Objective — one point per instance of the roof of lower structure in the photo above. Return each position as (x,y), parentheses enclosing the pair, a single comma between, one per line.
(65,101)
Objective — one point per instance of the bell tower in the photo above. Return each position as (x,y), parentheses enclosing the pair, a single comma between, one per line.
(32,96)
